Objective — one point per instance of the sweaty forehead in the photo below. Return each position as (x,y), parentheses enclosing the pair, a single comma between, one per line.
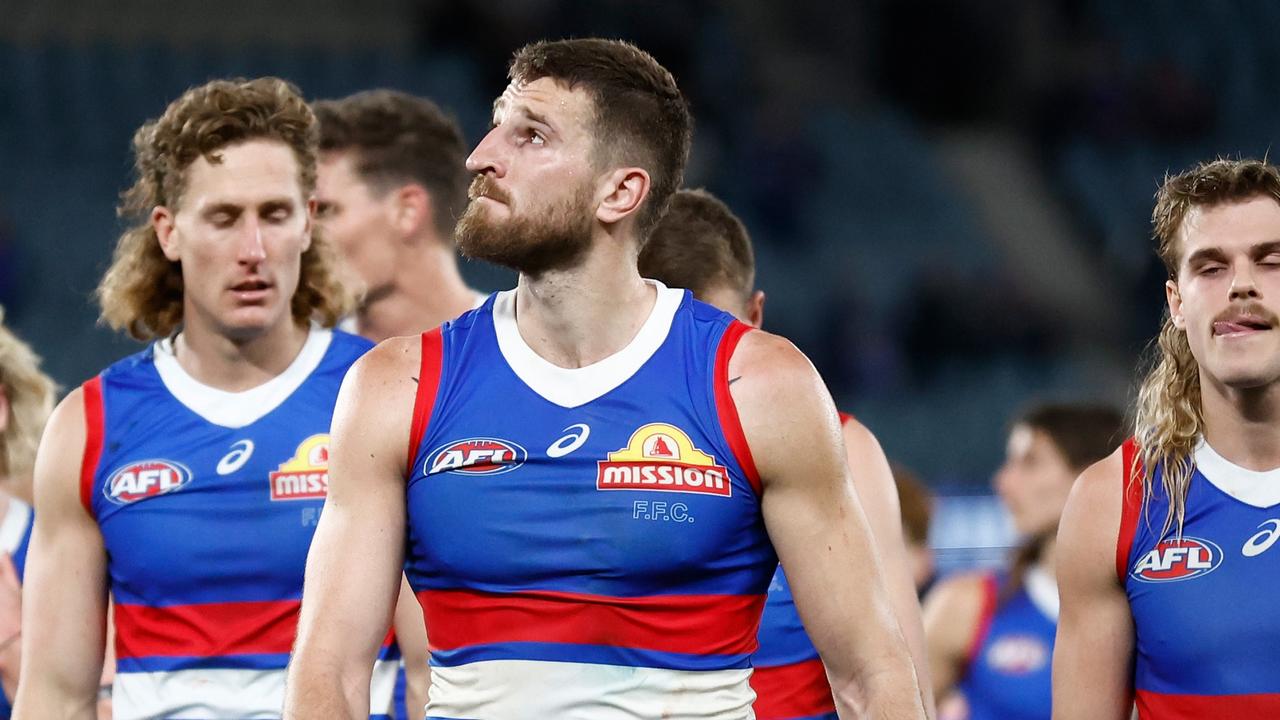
(546,98)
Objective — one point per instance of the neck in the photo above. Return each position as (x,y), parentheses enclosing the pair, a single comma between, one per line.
(427,291)
(1242,425)
(1047,553)
(582,315)
(234,364)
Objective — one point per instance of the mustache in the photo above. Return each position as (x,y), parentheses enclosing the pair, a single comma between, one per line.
(1252,309)
(484,186)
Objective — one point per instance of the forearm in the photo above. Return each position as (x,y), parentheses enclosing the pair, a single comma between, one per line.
(40,697)
(321,691)
(417,681)
(10,664)
(889,691)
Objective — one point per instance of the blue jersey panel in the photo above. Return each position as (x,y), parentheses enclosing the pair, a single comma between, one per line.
(1010,677)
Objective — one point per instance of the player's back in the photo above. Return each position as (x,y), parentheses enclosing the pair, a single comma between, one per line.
(1207,638)
(586,543)
(207,502)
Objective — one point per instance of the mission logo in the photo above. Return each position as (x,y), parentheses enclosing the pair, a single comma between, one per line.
(305,476)
(662,458)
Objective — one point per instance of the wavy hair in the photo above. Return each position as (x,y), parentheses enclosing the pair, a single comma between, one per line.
(141,292)
(1168,422)
(30,394)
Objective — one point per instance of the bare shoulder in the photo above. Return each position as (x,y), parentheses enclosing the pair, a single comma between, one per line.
(390,362)
(1093,508)
(858,437)
(57,471)
(773,382)
(959,596)
(762,358)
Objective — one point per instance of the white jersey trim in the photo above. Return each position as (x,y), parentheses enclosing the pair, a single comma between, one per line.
(526,689)
(14,525)
(1043,591)
(573,387)
(1259,488)
(238,409)
(223,693)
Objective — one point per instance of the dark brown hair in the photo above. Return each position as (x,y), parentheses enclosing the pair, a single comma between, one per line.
(916,503)
(1168,422)
(699,244)
(141,292)
(399,138)
(640,116)
(1083,434)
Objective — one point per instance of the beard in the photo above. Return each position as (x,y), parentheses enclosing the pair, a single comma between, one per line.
(556,238)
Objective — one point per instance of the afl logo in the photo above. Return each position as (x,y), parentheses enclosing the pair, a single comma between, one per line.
(477,456)
(1174,560)
(145,479)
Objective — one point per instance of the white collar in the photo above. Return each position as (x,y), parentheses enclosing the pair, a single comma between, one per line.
(572,387)
(14,525)
(1043,591)
(1259,488)
(238,409)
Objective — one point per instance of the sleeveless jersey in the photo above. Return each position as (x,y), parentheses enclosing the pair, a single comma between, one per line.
(586,543)
(15,538)
(1206,633)
(1009,675)
(789,678)
(207,502)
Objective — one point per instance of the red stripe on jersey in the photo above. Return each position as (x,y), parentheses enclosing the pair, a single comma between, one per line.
(206,630)
(425,398)
(691,624)
(990,594)
(845,418)
(1152,705)
(725,407)
(792,691)
(1131,506)
(93,430)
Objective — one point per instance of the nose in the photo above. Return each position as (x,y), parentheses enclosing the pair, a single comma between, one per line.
(1242,282)
(250,249)
(488,157)
(1000,483)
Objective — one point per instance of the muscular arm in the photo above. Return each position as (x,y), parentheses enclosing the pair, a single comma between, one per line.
(818,528)
(873,481)
(64,611)
(354,565)
(411,636)
(1093,653)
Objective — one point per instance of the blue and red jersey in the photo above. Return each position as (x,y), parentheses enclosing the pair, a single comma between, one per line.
(1206,634)
(15,538)
(586,543)
(789,679)
(1009,672)
(207,502)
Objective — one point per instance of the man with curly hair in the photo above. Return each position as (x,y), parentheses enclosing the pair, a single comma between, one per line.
(187,480)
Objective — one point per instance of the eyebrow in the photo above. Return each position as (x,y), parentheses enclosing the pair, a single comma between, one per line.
(522,110)
(1217,254)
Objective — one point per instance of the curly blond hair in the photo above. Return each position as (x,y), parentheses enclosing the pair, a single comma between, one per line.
(1168,422)
(30,394)
(141,292)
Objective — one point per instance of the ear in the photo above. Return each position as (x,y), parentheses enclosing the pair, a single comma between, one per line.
(162,222)
(1174,299)
(411,210)
(621,194)
(5,409)
(755,309)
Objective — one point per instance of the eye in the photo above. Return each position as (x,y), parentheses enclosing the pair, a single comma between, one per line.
(1270,260)
(1210,270)
(278,214)
(222,219)
(325,209)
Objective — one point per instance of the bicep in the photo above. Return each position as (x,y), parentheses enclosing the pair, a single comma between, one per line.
(1093,651)
(65,593)
(353,567)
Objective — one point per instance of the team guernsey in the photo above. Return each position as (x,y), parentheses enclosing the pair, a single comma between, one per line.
(789,679)
(1008,675)
(1207,637)
(587,544)
(207,502)
(15,538)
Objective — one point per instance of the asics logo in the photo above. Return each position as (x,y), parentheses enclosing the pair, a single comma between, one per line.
(577,435)
(241,450)
(1263,539)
